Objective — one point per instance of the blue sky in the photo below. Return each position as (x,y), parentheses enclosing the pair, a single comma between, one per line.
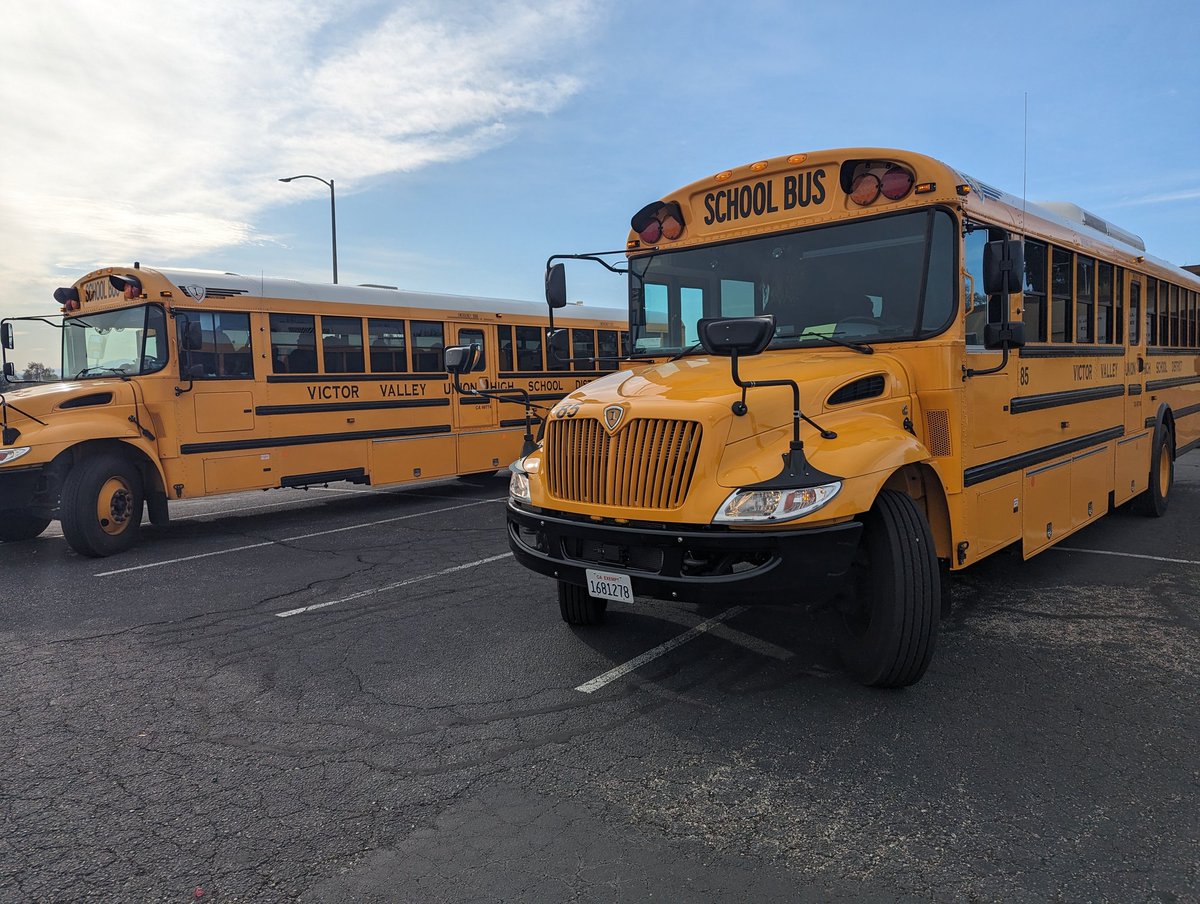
(470,142)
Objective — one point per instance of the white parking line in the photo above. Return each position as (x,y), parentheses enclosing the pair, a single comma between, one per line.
(320,533)
(1127,555)
(426,577)
(638,661)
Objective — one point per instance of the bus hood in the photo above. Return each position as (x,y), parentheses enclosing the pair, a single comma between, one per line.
(701,388)
(44,400)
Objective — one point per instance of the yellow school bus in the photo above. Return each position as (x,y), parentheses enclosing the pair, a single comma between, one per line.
(186,383)
(853,371)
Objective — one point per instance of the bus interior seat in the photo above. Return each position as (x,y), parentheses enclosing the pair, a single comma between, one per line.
(302,361)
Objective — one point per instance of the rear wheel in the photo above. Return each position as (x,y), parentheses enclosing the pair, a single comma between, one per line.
(101,505)
(18,524)
(1153,502)
(889,628)
(577,607)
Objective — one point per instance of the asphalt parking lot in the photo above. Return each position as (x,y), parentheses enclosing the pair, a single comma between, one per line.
(357,695)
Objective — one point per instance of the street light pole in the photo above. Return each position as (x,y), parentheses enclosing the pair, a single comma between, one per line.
(332,215)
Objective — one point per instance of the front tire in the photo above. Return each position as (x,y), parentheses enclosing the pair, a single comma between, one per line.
(101,505)
(18,524)
(1153,502)
(577,607)
(888,631)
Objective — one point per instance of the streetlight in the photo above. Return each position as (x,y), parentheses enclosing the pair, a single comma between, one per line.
(332,215)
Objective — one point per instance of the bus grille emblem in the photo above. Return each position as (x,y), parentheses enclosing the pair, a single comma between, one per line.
(612,417)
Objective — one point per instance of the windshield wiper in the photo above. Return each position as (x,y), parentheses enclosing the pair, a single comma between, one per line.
(861,347)
(114,370)
(683,353)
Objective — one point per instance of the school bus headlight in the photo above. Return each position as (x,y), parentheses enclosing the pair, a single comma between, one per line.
(7,455)
(774,505)
(518,483)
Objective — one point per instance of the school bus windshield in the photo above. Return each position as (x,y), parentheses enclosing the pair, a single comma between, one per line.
(123,342)
(889,278)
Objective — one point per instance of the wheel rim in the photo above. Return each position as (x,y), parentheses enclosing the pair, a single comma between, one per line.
(114,505)
(1164,472)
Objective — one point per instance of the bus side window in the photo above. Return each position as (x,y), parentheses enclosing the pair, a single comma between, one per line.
(1062,288)
(389,354)
(553,362)
(225,345)
(428,342)
(505,342)
(529,348)
(1151,311)
(583,349)
(981,309)
(1085,297)
(342,344)
(1135,312)
(607,349)
(294,343)
(1035,313)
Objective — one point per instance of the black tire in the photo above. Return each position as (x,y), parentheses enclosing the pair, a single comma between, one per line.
(18,524)
(577,607)
(101,505)
(1152,503)
(888,629)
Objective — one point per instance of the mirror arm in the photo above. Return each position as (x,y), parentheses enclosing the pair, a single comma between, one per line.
(501,395)
(739,408)
(596,256)
(971,372)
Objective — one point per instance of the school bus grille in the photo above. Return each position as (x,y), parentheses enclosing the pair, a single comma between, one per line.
(648,463)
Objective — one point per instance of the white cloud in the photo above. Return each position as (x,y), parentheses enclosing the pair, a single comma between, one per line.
(157,130)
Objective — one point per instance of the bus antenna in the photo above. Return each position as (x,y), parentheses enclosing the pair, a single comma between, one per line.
(1025,166)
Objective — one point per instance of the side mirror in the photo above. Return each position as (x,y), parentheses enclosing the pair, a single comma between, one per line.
(556,286)
(1010,334)
(742,336)
(6,334)
(192,336)
(1003,267)
(460,359)
(10,372)
(194,371)
(560,348)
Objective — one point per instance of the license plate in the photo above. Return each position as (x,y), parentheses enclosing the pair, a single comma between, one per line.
(607,585)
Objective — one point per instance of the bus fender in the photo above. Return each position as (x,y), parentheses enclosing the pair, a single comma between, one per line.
(1164,420)
(893,459)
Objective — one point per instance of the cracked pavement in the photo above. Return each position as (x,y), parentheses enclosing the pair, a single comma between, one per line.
(164,730)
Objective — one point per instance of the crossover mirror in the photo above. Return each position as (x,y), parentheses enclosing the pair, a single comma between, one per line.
(727,336)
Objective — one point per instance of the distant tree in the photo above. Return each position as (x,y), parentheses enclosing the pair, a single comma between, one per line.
(39,373)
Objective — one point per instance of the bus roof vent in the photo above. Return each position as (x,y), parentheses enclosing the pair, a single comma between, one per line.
(1073,213)
(371,285)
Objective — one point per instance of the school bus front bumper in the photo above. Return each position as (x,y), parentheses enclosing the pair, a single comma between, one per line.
(21,486)
(699,565)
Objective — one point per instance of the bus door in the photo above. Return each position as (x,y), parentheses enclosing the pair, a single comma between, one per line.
(472,412)
(483,446)
(215,409)
(1133,449)
(987,418)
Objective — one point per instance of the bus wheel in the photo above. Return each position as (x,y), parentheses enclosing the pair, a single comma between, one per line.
(18,524)
(1153,502)
(577,607)
(888,630)
(101,505)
